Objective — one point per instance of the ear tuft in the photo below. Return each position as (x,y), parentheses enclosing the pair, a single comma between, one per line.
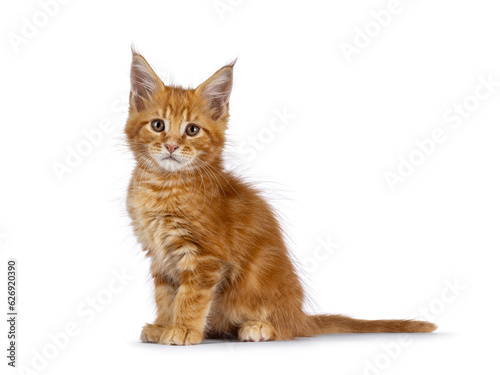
(217,89)
(143,80)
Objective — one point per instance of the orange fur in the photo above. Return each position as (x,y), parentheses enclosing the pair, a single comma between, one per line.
(218,259)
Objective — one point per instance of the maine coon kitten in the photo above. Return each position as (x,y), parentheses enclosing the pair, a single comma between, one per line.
(218,258)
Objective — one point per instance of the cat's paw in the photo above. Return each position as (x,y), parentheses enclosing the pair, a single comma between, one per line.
(178,335)
(256,331)
(151,333)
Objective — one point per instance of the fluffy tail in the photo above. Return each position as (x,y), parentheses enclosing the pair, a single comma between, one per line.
(323,324)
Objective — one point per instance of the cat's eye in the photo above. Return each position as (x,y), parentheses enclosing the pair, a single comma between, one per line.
(192,130)
(158,125)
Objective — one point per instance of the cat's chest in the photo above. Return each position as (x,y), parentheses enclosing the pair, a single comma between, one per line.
(161,221)
(169,242)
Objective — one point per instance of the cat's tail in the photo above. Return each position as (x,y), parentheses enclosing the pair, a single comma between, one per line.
(324,324)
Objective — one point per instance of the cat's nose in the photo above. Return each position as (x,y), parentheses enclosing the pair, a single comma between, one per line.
(171,148)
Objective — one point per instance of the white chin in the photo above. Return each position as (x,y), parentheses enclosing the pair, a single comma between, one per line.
(171,165)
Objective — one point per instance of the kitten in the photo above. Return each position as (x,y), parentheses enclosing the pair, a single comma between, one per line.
(218,259)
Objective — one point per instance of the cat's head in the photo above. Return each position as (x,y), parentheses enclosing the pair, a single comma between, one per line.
(174,129)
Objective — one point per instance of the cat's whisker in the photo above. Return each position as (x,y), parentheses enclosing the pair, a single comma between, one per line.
(211,183)
(207,169)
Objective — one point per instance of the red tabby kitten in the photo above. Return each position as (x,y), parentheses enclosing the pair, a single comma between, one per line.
(218,259)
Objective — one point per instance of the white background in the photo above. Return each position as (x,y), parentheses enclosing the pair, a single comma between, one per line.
(398,251)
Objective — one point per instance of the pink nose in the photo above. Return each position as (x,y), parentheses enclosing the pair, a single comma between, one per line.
(171,148)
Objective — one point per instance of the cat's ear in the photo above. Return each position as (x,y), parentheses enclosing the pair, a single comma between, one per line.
(216,90)
(144,82)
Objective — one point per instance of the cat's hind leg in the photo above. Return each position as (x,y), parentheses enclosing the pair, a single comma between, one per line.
(256,330)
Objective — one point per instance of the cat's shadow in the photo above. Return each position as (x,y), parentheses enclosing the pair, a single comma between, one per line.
(324,339)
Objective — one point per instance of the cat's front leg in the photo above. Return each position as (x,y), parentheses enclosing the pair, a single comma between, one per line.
(192,302)
(165,290)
